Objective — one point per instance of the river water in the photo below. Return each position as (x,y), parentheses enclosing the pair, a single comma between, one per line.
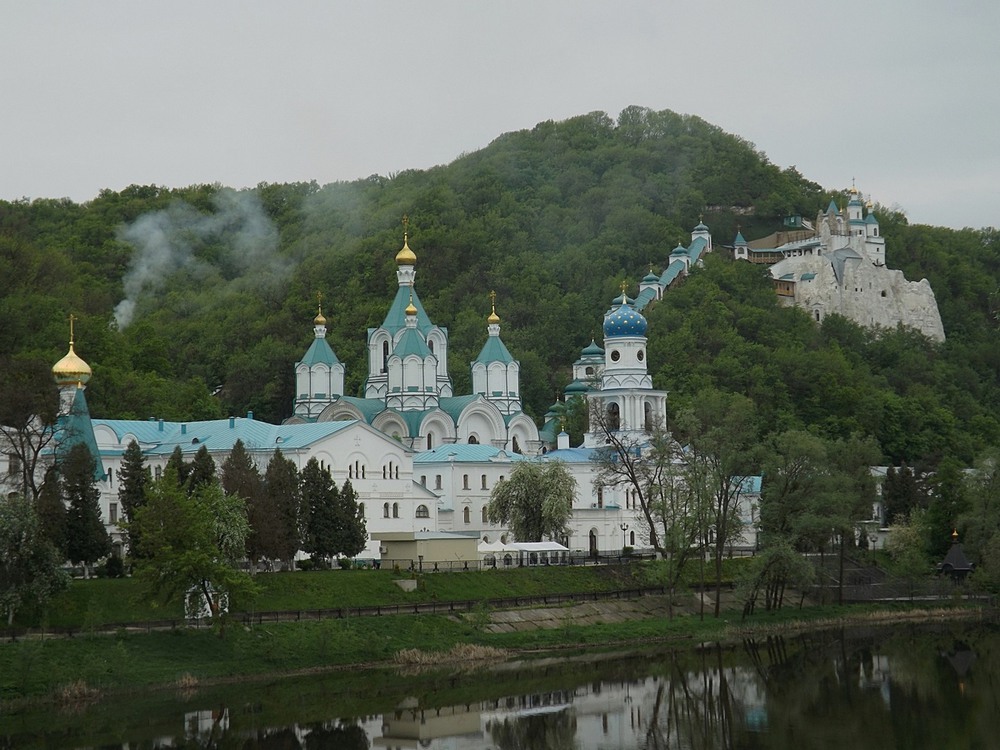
(890,687)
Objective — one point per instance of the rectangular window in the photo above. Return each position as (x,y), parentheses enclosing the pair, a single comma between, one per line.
(437,482)
(113,512)
(465,481)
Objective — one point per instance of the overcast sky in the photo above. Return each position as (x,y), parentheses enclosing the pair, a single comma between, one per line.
(901,95)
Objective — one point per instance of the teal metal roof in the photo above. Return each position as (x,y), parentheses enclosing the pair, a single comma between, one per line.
(701,227)
(570,455)
(739,239)
(395,319)
(369,407)
(671,273)
(697,247)
(320,353)
(160,438)
(411,343)
(832,208)
(494,351)
(644,297)
(870,219)
(462,453)
(75,428)
(593,349)
(454,405)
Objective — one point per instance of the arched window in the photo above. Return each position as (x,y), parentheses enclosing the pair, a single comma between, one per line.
(647,416)
(422,512)
(361,510)
(514,445)
(466,514)
(430,441)
(484,515)
(600,496)
(385,356)
(465,481)
(484,482)
(473,440)
(631,538)
(395,510)
(437,482)
(614,418)
(385,510)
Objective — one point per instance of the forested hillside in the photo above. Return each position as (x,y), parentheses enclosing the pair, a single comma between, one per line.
(196,302)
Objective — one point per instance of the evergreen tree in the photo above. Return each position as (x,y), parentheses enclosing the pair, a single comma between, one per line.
(319,500)
(52,512)
(202,471)
(87,540)
(281,486)
(901,493)
(177,467)
(351,530)
(240,477)
(134,479)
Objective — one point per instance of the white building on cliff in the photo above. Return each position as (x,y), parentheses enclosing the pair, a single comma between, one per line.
(841,268)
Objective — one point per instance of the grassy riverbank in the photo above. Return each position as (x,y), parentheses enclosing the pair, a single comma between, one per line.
(95,663)
(91,604)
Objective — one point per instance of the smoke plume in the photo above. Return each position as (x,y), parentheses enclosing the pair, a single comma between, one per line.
(236,245)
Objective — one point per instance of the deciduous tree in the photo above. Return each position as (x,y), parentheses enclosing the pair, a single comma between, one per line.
(29,404)
(30,571)
(192,544)
(535,502)
(654,470)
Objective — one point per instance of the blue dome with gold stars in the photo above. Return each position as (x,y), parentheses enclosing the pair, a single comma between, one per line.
(623,319)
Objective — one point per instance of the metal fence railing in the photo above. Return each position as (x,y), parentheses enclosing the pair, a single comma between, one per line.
(341,613)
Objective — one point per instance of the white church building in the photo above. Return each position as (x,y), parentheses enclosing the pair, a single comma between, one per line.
(422,459)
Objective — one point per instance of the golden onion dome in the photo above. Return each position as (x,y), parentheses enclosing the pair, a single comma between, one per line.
(493,319)
(71,369)
(405,257)
(411,308)
(319,319)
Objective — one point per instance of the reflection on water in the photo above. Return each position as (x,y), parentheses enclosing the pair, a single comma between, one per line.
(900,688)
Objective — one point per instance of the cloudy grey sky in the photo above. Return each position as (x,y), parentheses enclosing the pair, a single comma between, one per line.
(902,95)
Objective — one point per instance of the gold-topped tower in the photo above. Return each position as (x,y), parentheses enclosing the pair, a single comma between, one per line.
(71,369)
(406,257)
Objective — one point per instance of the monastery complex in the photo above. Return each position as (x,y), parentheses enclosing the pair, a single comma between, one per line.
(424,460)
